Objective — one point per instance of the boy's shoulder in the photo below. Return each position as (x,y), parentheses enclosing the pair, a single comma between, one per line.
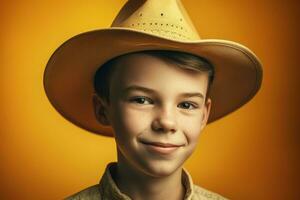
(108,189)
(93,193)
(203,194)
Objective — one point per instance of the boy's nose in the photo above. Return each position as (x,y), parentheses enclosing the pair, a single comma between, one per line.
(164,122)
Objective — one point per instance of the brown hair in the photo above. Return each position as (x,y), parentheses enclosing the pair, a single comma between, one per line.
(180,59)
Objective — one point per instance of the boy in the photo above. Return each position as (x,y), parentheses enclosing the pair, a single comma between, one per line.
(157,87)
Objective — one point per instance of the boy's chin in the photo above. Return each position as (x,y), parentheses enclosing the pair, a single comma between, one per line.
(160,168)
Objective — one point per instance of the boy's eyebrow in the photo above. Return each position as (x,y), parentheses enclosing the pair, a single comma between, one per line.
(149,90)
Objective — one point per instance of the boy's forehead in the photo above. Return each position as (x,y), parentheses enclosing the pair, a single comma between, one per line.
(152,72)
(132,88)
(141,63)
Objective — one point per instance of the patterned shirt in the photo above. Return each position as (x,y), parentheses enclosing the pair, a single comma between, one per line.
(108,190)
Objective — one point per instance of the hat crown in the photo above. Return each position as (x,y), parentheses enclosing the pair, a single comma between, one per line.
(163,18)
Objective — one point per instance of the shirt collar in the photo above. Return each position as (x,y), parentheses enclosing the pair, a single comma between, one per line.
(109,189)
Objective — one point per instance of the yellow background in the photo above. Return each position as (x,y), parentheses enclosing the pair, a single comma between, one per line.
(252,153)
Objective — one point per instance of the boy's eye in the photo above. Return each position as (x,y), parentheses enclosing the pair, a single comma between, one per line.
(145,101)
(187,105)
(141,100)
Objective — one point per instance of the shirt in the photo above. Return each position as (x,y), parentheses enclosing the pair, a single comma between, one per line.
(108,190)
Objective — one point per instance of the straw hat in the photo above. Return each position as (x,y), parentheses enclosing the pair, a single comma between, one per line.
(146,25)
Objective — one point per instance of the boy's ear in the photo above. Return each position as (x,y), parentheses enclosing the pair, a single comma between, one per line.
(100,110)
(206,112)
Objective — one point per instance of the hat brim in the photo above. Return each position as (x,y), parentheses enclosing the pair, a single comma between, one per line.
(68,77)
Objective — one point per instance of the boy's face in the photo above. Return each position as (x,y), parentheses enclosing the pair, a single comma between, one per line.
(150,109)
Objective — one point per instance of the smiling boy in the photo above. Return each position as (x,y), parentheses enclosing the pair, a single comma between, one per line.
(151,83)
(156,120)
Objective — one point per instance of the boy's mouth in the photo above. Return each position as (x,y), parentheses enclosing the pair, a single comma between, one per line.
(161,144)
(161,148)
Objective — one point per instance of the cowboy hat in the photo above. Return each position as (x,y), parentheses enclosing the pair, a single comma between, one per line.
(146,25)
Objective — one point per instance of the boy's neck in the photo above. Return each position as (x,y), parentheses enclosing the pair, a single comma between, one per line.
(138,185)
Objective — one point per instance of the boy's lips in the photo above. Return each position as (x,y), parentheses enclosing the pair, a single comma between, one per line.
(161,144)
(160,147)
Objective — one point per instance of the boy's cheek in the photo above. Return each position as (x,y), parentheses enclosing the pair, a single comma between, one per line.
(191,127)
(131,122)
